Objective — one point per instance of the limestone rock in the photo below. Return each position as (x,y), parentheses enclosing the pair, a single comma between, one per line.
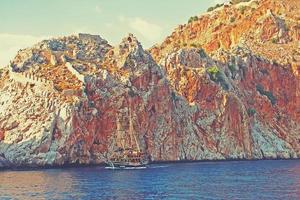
(210,91)
(53,60)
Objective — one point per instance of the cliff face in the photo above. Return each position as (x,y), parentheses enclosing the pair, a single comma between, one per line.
(209,91)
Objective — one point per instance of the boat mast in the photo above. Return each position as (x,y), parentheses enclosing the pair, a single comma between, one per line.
(131,129)
(120,133)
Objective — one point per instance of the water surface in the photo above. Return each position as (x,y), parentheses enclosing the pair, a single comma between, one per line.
(204,180)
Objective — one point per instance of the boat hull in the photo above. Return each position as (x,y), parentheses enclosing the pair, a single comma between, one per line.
(118,165)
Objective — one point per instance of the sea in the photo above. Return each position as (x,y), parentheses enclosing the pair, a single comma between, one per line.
(268,179)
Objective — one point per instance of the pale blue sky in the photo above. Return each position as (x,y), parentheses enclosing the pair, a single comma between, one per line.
(25,22)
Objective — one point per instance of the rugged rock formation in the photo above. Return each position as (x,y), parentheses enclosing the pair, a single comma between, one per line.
(4,163)
(209,91)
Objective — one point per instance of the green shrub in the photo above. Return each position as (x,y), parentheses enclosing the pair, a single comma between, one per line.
(251,112)
(274,62)
(202,53)
(242,9)
(220,79)
(216,76)
(285,27)
(214,7)
(268,94)
(213,70)
(131,93)
(271,97)
(232,68)
(195,18)
(129,62)
(274,40)
(260,88)
(194,45)
(91,104)
(239,1)
(232,19)
(173,96)
(210,9)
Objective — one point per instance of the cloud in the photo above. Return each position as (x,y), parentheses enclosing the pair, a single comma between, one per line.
(11,43)
(148,30)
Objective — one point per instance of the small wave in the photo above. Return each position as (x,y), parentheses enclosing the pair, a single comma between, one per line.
(117,168)
(158,166)
(144,167)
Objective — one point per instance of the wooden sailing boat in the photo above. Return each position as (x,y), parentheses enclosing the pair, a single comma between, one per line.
(128,156)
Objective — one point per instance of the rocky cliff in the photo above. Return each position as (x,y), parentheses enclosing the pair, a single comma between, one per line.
(224,86)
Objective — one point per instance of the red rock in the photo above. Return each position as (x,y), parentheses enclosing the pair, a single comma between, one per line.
(246,108)
(2,135)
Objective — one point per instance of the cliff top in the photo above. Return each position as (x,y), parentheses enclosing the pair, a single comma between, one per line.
(269,28)
(266,28)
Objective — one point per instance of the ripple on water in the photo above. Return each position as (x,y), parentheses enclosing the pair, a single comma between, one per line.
(208,180)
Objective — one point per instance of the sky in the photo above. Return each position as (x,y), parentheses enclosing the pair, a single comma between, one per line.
(26,22)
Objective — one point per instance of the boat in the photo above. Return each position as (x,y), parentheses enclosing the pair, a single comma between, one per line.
(128,159)
(128,154)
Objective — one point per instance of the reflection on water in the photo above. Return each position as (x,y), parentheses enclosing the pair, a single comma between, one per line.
(219,180)
(41,184)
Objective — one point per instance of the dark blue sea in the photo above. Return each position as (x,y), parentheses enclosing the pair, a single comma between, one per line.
(203,180)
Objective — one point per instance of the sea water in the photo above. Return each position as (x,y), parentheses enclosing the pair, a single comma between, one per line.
(203,180)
